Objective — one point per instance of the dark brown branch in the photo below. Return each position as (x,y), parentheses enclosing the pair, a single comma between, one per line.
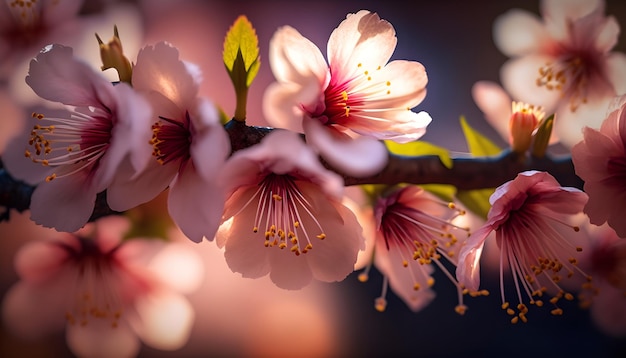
(466,173)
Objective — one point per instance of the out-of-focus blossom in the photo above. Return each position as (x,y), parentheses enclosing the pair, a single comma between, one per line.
(346,106)
(101,135)
(606,262)
(563,63)
(414,233)
(600,160)
(529,215)
(109,294)
(26,26)
(284,215)
(189,145)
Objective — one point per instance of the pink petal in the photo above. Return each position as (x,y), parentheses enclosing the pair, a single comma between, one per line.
(210,146)
(407,85)
(358,157)
(25,314)
(39,260)
(130,136)
(402,279)
(288,271)
(56,75)
(294,58)
(616,71)
(64,203)
(569,125)
(468,267)
(158,68)
(282,103)
(195,204)
(178,266)
(495,103)
(126,192)
(110,231)
(362,38)
(571,10)
(99,339)
(518,32)
(164,320)
(54,12)
(518,77)
(608,35)
(608,311)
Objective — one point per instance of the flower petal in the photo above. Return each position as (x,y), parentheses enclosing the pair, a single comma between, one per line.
(64,203)
(495,103)
(518,77)
(616,71)
(518,32)
(362,156)
(195,204)
(165,320)
(99,339)
(468,267)
(362,38)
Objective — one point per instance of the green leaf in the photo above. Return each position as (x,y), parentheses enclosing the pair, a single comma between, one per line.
(241,37)
(418,148)
(241,58)
(477,201)
(478,144)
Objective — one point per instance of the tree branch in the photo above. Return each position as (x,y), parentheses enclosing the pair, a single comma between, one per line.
(465,173)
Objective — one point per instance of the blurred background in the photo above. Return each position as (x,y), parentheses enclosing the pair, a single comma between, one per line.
(244,318)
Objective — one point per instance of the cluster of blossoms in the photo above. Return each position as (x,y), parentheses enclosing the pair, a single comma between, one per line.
(279,207)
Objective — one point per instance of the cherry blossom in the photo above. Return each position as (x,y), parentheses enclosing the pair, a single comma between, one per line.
(100,135)
(529,215)
(415,234)
(600,160)
(284,217)
(563,62)
(109,294)
(26,26)
(345,106)
(189,145)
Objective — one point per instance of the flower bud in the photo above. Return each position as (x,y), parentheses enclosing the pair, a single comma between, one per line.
(112,56)
(524,120)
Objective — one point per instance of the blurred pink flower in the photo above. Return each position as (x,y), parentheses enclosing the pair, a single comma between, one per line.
(108,293)
(189,145)
(606,261)
(529,215)
(102,134)
(284,215)
(414,233)
(27,26)
(600,160)
(345,107)
(563,63)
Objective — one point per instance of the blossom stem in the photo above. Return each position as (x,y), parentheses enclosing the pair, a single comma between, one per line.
(465,173)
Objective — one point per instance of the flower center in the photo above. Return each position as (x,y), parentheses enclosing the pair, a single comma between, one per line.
(171,139)
(567,75)
(283,211)
(25,12)
(95,293)
(539,257)
(343,98)
(70,144)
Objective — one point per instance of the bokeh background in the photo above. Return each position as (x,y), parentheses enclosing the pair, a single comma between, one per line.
(244,318)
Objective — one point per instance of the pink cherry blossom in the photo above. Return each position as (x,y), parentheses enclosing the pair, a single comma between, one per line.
(415,233)
(606,262)
(284,215)
(346,106)
(189,145)
(600,160)
(101,135)
(529,215)
(26,26)
(563,62)
(109,294)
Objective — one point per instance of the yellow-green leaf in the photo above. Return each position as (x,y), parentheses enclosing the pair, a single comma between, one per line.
(417,148)
(241,37)
(478,144)
(477,201)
